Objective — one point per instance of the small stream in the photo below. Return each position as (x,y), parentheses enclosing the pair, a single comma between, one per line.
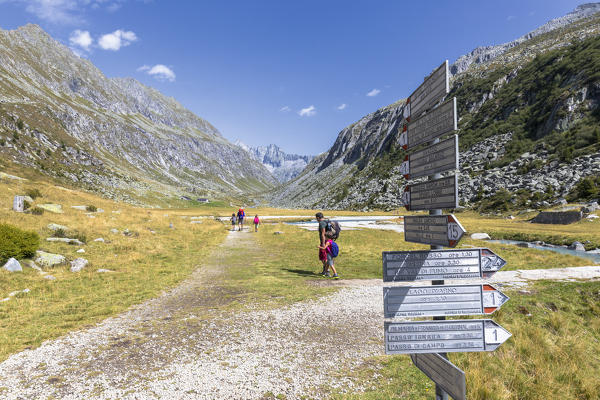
(557,249)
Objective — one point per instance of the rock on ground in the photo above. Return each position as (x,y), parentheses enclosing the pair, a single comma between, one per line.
(49,259)
(53,208)
(480,236)
(78,264)
(12,265)
(55,227)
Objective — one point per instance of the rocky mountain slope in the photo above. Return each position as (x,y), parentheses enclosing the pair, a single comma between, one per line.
(60,115)
(282,165)
(529,113)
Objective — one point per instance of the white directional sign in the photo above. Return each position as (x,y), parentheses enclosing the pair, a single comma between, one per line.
(442,372)
(442,230)
(432,195)
(431,91)
(443,336)
(440,157)
(408,266)
(442,300)
(435,123)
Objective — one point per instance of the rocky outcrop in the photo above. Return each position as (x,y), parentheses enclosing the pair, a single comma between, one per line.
(112,135)
(486,54)
(283,166)
(356,146)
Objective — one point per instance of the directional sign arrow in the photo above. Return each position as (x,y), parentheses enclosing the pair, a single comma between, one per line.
(431,195)
(442,300)
(431,91)
(443,230)
(443,336)
(442,372)
(437,158)
(409,266)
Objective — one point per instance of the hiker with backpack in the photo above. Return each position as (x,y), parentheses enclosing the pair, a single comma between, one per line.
(331,250)
(325,226)
(256,223)
(240,216)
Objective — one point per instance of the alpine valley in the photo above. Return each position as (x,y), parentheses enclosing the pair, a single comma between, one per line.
(529,129)
(61,116)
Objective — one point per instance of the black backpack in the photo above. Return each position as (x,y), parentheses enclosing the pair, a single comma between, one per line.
(333,226)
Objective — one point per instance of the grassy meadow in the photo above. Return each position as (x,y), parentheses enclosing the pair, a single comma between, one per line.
(555,326)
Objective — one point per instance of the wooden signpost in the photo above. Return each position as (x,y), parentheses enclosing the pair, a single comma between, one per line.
(431,301)
(443,336)
(433,194)
(445,374)
(444,230)
(426,121)
(434,159)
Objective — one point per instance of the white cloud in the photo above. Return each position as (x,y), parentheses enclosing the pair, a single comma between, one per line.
(308,111)
(285,109)
(373,92)
(342,106)
(81,39)
(114,41)
(55,11)
(510,17)
(159,71)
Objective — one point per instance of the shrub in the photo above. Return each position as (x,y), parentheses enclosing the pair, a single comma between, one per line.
(20,124)
(26,205)
(80,236)
(91,208)
(34,193)
(37,211)
(59,233)
(586,189)
(17,243)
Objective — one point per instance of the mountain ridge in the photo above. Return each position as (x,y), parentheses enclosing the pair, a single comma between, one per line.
(142,141)
(282,165)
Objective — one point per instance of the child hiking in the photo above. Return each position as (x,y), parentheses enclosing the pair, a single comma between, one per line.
(331,250)
(256,223)
(233,221)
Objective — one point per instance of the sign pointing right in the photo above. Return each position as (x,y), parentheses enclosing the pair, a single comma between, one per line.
(408,266)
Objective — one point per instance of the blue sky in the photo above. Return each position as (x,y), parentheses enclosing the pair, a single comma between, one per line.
(283,72)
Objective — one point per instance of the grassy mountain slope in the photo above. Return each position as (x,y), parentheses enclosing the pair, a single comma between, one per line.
(528,123)
(60,115)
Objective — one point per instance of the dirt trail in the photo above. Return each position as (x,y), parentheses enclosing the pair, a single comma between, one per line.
(182,346)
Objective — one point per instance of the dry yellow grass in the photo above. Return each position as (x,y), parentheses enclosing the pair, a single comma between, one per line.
(144,264)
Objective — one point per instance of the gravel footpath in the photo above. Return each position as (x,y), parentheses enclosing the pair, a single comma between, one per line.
(183,346)
(179,346)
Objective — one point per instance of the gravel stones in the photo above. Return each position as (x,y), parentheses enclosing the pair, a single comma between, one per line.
(48,259)
(78,264)
(12,265)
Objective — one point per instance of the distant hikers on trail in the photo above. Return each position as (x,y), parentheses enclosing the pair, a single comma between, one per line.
(328,249)
(233,221)
(256,223)
(240,217)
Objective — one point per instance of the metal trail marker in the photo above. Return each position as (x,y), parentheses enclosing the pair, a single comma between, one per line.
(429,93)
(437,158)
(442,300)
(442,372)
(443,336)
(432,194)
(444,230)
(409,266)
(434,124)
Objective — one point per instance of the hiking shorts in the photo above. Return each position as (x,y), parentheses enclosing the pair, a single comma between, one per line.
(329,260)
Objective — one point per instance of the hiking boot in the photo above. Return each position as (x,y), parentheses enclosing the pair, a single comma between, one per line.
(326,275)
(335,276)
